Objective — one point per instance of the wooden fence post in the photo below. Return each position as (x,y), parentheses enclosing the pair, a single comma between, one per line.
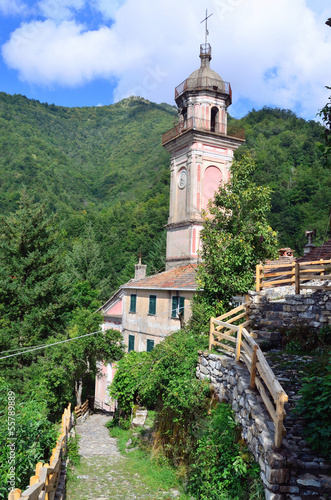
(247,299)
(297,278)
(280,419)
(322,271)
(238,344)
(14,494)
(211,336)
(258,277)
(253,369)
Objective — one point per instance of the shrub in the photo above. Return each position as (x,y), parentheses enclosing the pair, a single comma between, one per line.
(315,407)
(33,434)
(304,337)
(222,467)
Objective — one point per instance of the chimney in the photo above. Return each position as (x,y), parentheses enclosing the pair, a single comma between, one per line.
(285,253)
(139,270)
(309,247)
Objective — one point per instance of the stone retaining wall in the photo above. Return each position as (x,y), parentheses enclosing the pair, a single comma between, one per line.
(313,309)
(284,475)
(231,382)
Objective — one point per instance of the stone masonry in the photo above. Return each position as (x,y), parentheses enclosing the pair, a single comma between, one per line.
(279,467)
(269,312)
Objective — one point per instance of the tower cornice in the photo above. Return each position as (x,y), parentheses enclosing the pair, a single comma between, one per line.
(190,136)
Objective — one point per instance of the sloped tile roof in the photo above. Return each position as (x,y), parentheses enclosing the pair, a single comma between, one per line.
(317,253)
(179,278)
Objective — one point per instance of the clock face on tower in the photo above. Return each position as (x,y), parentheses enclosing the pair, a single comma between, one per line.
(182,179)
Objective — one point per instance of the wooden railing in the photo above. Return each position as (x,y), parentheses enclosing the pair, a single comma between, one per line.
(295,273)
(44,483)
(245,349)
(81,409)
(194,123)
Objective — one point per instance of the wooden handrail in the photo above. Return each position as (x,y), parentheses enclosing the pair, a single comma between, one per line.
(261,375)
(296,273)
(44,483)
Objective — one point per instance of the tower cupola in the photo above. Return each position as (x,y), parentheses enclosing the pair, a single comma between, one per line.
(202,80)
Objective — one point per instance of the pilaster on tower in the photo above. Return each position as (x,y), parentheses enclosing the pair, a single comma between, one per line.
(201,147)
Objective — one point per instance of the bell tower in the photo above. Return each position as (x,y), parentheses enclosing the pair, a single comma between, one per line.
(201,147)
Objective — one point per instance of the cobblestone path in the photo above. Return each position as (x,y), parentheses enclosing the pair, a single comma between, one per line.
(102,473)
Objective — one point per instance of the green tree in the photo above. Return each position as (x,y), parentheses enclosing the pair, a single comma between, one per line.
(236,235)
(35,300)
(325,148)
(81,357)
(85,264)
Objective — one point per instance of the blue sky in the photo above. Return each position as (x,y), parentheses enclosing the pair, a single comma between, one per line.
(96,52)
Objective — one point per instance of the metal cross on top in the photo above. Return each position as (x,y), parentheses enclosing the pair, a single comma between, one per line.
(205,20)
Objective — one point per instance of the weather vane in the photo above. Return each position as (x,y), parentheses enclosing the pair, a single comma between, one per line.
(205,20)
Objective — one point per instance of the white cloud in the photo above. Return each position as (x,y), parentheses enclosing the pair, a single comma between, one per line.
(275,52)
(9,7)
(60,9)
(108,8)
(50,53)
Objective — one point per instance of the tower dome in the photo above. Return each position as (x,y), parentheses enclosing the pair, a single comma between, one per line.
(204,79)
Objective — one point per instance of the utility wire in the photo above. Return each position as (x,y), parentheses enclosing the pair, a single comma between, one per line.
(18,349)
(49,345)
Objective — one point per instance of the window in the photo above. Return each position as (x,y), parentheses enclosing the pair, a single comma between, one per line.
(131,343)
(214,119)
(177,306)
(150,345)
(133,303)
(152,304)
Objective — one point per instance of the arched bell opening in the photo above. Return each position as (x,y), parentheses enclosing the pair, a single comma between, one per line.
(214,119)
(183,114)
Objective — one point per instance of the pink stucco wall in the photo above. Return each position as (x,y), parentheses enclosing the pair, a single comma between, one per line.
(212,179)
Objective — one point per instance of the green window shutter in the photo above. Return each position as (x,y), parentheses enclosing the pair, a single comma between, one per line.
(181,304)
(174,307)
(133,303)
(152,304)
(150,345)
(131,343)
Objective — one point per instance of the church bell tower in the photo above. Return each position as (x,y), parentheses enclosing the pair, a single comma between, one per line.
(201,147)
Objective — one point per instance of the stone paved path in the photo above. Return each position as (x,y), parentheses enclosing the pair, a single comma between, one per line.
(102,473)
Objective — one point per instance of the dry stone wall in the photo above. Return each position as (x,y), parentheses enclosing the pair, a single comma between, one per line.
(269,312)
(284,476)
(231,383)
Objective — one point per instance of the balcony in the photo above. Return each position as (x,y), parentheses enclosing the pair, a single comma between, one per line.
(203,126)
(204,83)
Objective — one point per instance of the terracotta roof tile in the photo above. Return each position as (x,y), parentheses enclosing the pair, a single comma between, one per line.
(179,278)
(317,253)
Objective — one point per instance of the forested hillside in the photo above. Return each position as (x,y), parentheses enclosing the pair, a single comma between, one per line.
(102,169)
(288,159)
(105,173)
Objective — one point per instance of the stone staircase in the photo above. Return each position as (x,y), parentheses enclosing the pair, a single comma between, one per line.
(310,473)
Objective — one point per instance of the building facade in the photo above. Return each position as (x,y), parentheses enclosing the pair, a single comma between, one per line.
(157,305)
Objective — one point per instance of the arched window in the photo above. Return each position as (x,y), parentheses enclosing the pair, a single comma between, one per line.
(214,119)
(184,113)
